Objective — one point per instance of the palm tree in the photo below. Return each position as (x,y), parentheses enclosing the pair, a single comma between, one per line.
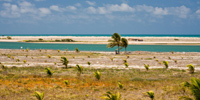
(49,72)
(79,69)
(39,95)
(194,87)
(124,43)
(65,61)
(166,63)
(116,41)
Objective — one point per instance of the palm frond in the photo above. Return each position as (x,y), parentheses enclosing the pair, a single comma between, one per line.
(146,66)
(191,68)
(166,63)
(39,95)
(66,82)
(49,72)
(150,94)
(120,85)
(97,74)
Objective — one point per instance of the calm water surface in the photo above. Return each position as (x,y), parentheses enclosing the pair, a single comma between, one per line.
(99,47)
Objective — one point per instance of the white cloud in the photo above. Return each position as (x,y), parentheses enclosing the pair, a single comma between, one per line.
(198,13)
(11,11)
(6,0)
(40,0)
(27,7)
(160,11)
(91,3)
(44,11)
(71,7)
(55,8)
(78,4)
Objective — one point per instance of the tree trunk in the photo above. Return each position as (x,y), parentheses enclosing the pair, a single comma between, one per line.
(125,50)
(118,48)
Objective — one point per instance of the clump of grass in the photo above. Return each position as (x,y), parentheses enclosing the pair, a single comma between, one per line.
(76,50)
(125,61)
(120,85)
(97,75)
(111,59)
(169,58)
(65,61)
(13,57)
(146,66)
(58,50)
(17,60)
(126,65)
(66,82)
(49,56)
(26,56)
(88,63)
(150,94)
(88,56)
(111,96)
(172,52)
(79,69)
(8,56)
(40,50)
(45,61)
(49,72)
(66,49)
(39,95)
(127,56)
(27,50)
(175,61)
(31,57)
(3,67)
(24,61)
(166,63)
(55,63)
(157,60)
(191,68)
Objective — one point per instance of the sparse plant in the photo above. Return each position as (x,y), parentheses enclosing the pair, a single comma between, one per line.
(58,50)
(126,65)
(3,67)
(27,50)
(125,61)
(88,63)
(31,57)
(26,56)
(66,49)
(55,63)
(45,61)
(120,85)
(175,61)
(79,69)
(172,52)
(39,95)
(17,60)
(127,56)
(166,63)
(97,74)
(146,66)
(157,60)
(8,37)
(40,39)
(13,57)
(76,50)
(65,61)
(49,72)
(111,59)
(191,68)
(49,56)
(66,82)
(40,50)
(111,96)
(169,58)
(88,56)
(8,56)
(194,87)
(24,61)
(150,94)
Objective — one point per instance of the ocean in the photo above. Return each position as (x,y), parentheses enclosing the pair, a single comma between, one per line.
(99,47)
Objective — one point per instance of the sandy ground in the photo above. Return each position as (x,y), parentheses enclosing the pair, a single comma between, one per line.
(136,59)
(103,40)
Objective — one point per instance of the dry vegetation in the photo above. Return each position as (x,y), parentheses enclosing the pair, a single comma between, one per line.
(19,80)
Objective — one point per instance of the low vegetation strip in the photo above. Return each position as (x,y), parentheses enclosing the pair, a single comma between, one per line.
(41,40)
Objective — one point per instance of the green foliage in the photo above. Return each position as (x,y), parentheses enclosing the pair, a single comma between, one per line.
(55,63)
(185,98)
(39,95)
(8,37)
(88,63)
(17,60)
(76,50)
(8,56)
(127,56)
(66,49)
(3,67)
(26,55)
(66,82)
(13,57)
(146,66)
(116,41)
(49,56)
(175,61)
(150,94)
(126,65)
(65,61)
(79,69)
(120,85)
(97,74)
(27,50)
(124,43)
(111,59)
(111,96)
(40,39)
(191,68)
(166,64)
(125,61)
(24,61)
(58,50)
(194,87)
(49,72)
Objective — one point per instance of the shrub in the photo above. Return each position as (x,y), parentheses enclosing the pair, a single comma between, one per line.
(146,66)
(49,56)
(79,69)
(55,63)
(66,82)
(126,65)
(27,50)
(58,50)
(120,85)
(49,72)
(97,74)
(26,55)
(76,50)
(88,63)
(166,64)
(17,60)
(150,94)
(3,67)
(40,39)
(8,56)
(39,95)
(66,49)
(65,61)
(124,60)
(24,61)
(191,68)
(175,61)
(8,37)
(127,56)
(111,96)
(111,59)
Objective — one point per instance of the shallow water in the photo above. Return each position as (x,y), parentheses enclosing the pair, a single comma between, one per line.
(99,47)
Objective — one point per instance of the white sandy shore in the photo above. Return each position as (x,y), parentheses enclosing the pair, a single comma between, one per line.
(104,39)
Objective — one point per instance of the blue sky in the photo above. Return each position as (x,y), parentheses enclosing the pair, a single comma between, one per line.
(100,17)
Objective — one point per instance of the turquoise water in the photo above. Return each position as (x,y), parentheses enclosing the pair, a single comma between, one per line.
(108,35)
(99,47)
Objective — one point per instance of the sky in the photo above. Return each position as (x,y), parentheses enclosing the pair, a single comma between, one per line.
(173,17)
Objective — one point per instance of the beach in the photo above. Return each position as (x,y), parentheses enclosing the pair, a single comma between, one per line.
(104,40)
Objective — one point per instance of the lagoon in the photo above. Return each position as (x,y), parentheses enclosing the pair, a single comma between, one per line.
(99,47)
